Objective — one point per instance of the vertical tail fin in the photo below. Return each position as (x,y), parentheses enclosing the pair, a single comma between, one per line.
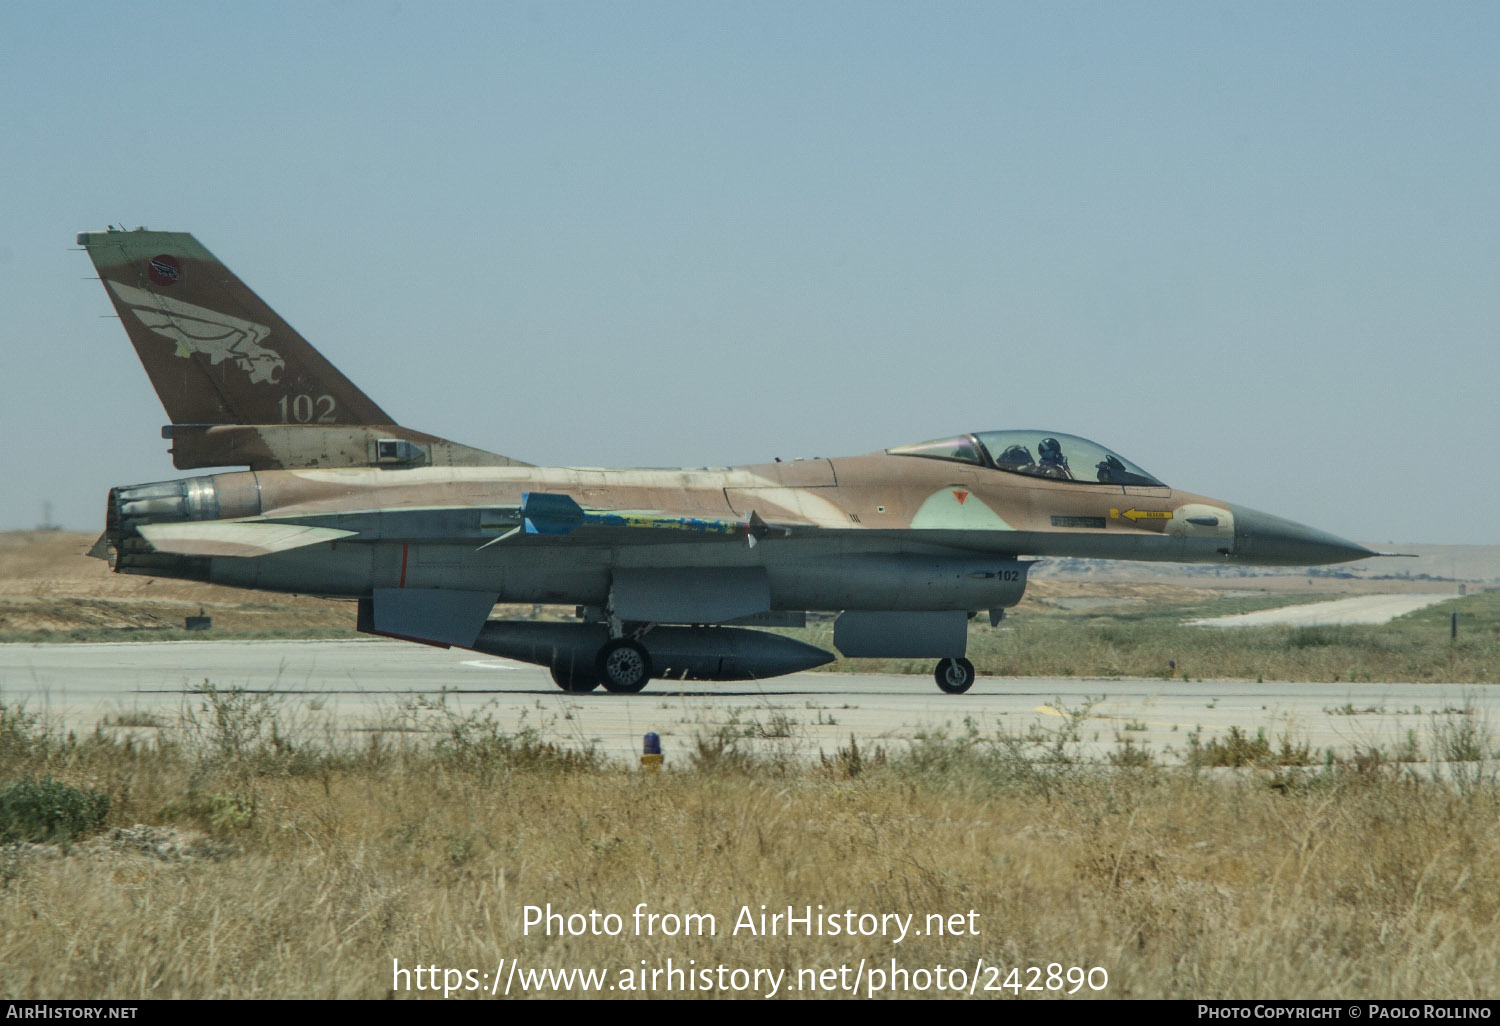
(240,385)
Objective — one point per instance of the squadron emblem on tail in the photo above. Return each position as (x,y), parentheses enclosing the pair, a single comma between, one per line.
(197,329)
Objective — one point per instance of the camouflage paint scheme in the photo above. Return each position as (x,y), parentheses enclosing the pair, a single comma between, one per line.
(905,543)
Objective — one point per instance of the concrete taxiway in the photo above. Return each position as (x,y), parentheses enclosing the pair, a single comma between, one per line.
(1359,609)
(347,689)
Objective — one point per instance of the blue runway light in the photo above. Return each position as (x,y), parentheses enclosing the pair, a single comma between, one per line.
(651,757)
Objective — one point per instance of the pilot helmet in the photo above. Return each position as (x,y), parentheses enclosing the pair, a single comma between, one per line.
(1050,450)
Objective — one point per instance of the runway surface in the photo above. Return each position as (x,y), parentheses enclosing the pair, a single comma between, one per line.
(354,687)
(1337,612)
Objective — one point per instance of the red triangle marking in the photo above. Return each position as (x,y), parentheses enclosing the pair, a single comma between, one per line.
(960,496)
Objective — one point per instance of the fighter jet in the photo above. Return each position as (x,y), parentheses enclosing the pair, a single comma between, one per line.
(669,570)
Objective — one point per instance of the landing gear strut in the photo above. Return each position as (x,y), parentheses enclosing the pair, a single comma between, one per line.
(955,676)
(623,666)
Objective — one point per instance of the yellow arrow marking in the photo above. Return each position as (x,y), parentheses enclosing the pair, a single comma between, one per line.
(1134,514)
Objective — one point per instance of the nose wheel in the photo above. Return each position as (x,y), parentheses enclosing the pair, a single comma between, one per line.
(623,666)
(955,676)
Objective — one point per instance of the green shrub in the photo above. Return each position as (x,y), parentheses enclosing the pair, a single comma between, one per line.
(49,811)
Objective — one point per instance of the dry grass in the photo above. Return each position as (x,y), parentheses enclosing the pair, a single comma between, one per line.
(310,868)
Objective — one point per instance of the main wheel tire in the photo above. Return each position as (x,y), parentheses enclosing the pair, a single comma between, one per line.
(576,679)
(955,676)
(623,666)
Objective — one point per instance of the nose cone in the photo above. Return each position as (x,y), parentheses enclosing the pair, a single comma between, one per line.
(1266,540)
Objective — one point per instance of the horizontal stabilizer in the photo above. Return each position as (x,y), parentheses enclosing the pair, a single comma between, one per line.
(235,538)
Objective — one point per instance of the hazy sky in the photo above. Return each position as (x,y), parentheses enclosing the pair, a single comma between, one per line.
(1255,248)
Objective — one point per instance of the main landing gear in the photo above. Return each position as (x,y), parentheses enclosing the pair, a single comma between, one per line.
(623,666)
(955,676)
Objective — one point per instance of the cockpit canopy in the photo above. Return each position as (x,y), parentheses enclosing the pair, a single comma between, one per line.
(1038,453)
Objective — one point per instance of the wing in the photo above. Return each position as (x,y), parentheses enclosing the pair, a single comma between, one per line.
(540,515)
(236,538)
